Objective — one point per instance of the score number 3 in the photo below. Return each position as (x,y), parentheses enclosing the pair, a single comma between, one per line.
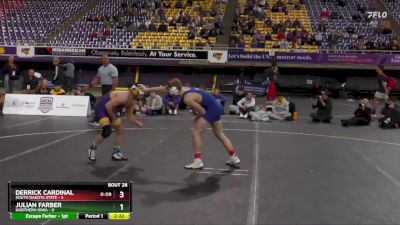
(121,195)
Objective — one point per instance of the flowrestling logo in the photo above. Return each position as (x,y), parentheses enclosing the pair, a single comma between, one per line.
(46,104)
(377,15)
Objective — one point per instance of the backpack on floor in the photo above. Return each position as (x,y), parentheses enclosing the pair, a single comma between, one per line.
(292,109)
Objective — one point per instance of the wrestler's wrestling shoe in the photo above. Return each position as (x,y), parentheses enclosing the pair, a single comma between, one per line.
(233,160)
(195,165)
(118,156)
(92,154)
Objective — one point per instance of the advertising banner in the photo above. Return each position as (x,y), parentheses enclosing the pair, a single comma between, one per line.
(217,56)
(318,58)
(126,53)
(25,51)
(46,105)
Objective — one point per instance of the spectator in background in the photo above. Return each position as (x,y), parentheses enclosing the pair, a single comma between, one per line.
(69,78)
(392,116)
(241,43)
(152,27)
(324,14)
(323,26)
(154,104)
(220,98)
(171,103)
(142,27)
(297,23)
(285,10)
(362,115)
(192,34)
(140,45)
(288,23)
(177,45)
(370,45)
(271,74)
(179,4)
(260,114)
(163,27)
(335,15)
(155,46)
(374,24)
(275,8)
(239,95)
(387,28)
(268,22)
(80,91)
(268,37)
(59,72)
(394,46)
(324,109)
(43,87)
(57,90)
(10,75)
(246,105)
(382,93)
(30,83)
(280,109)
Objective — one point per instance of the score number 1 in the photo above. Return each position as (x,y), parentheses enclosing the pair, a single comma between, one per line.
(121,195)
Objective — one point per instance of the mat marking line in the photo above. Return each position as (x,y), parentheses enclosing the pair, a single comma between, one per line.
(144,153)
(377,167)
(221,173)
(27,123)
(253,207)
(235,170)
(40,147)
(239,130)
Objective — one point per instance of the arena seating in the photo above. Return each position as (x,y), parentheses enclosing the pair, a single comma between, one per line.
(31,20)
(278,17)
(180,33)
(344,20)
(91,31)
(394,7)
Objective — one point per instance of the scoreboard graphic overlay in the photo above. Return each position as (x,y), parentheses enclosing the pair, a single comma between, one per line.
(70,200)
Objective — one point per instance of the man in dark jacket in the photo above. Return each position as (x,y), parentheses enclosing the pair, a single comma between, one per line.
(392,116)
(59,72)
(362,115)
(10,74)
(30,83)
(324,112)
(239,95)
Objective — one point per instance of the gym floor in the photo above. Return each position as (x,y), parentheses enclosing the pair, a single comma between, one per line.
(291,172)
